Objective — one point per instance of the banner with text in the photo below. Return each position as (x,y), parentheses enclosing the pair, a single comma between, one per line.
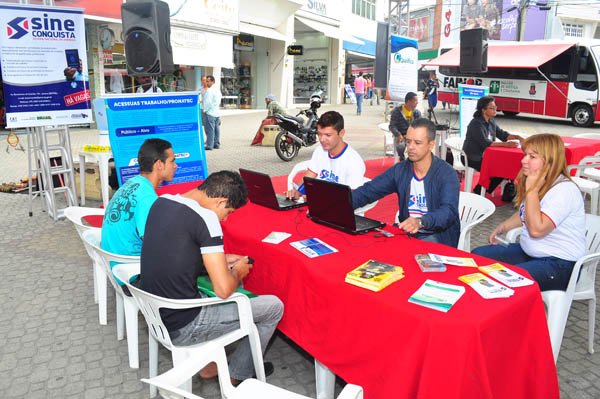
(467,104)
(44,68)
(403,67)
(174,117)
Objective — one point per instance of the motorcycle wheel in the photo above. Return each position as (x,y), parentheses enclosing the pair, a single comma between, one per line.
(286,148)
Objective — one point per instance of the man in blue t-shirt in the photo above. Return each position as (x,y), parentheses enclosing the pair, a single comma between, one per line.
(125,217)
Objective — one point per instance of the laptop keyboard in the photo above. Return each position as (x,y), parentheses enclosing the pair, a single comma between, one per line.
(363,224)
(282,201)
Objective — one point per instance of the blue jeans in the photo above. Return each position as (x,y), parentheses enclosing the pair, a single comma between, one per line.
(217,320)
(213,131)
(550,273)
(359,101)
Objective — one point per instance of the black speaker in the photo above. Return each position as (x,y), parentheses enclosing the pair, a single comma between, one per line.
(147,37)
(381,55)
(473,50)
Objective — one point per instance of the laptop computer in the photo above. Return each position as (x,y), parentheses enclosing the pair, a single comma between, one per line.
(331,204)
(261,192)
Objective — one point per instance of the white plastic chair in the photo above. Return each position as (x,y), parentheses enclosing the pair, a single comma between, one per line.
(75,215)
(587,186)
(455,144)
(472,209)
(588,135)
(558,303)
(150,306)
(127,309)
(251,388)
(593,173)
(302,166)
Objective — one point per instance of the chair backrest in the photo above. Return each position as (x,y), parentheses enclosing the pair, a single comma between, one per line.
(455,144)
(585,162)
(75,214)
(587,277)
(473,209)
(299,167)
(92,239)
(588,135)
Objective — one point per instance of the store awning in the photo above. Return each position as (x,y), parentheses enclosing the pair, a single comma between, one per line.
(201,48)
(361,55)
(262,31)
(329,31)
(509,56)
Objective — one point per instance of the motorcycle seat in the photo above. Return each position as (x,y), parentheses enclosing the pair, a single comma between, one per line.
(291,118)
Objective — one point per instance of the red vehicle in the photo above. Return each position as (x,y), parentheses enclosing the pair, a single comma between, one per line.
(552,78)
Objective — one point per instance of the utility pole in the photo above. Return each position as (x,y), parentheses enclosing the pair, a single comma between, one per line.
(521,20)
(398,17)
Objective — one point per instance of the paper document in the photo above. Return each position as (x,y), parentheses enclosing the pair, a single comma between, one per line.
(436,295)
(485,286)
(313,247)
(276,237)
(505,275)
(453,260)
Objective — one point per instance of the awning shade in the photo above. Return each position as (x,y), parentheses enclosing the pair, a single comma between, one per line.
(329,31)
(509,56)
(262,31)
(199,48)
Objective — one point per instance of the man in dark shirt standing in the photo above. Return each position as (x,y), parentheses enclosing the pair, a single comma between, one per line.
(183,241)
(401,118)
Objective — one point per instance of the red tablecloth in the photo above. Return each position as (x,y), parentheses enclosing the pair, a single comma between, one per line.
(394,349)
(506,162)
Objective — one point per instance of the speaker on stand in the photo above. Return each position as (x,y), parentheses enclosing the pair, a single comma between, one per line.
(147,37)
(473,50)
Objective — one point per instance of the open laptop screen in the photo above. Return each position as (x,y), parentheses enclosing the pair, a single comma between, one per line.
(330,202)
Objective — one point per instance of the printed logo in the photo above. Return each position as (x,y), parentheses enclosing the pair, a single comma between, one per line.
(17,28)
(494,87)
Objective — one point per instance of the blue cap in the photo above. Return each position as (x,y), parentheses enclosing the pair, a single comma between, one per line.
(270,97)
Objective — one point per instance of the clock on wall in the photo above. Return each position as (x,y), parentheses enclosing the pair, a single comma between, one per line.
(107,37)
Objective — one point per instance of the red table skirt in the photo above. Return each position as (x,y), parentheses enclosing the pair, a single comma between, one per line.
(394,349)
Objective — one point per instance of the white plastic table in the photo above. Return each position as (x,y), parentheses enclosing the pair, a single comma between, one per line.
(102,159)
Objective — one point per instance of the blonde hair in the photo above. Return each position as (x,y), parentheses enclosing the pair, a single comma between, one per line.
(550,148)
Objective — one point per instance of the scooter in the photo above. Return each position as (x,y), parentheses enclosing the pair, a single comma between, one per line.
(297,132)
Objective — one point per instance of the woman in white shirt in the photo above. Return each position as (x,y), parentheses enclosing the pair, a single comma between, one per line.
(551,212)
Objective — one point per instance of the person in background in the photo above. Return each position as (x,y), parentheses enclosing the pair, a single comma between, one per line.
(147,85)
(369,87)
(551,213)
(184,233)
(360,86)
(178,83)
(427,189)
(211,102)
(334,160)
(482,133)
(273,108)
(401,118)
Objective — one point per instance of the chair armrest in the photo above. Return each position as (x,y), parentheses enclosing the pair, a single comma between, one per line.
(514,234)
(351,391)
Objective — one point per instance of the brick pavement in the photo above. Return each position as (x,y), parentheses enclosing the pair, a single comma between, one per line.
(53,346)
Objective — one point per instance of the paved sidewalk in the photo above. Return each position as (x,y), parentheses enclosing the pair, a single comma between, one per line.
(53,346)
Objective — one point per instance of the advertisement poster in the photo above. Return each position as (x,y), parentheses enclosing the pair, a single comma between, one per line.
(450,33)
(467,104)
(44,67)
(174,117)
(403,67)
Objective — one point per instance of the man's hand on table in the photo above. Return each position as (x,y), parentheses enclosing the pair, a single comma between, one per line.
(410,225)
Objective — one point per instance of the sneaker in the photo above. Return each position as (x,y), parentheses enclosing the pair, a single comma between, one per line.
(269,369)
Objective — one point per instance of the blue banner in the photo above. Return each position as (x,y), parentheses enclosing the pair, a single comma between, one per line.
(174,117)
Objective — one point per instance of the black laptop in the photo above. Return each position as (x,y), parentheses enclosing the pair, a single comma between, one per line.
(331,204)
(261,192)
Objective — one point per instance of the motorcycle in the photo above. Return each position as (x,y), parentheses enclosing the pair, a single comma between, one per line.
(296,132)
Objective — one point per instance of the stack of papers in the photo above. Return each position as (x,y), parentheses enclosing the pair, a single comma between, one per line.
(374,275)
(486,287)
(453,260)
(436,295)
(313,247)
(427,265)
(505,275)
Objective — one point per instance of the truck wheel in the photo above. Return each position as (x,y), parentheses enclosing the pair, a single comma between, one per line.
(510,113)
(582,115)
(286,148)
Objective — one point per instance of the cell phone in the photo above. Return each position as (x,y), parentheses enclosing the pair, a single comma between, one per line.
(73,58)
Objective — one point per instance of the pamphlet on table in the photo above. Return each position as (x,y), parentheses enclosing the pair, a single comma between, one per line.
(276,237)
(313,247)
(454,260)
(435,295)
(485,286)
(505,275)
(428,265)
(374,275)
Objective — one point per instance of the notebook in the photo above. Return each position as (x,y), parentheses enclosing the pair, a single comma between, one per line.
(261,192)
(331,204)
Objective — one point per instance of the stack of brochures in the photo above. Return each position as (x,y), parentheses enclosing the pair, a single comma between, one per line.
(374,275)
(426,264)
(436,295)
(485,286)
(454,260)
(505,275)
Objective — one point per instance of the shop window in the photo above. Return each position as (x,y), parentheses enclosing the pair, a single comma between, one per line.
(573,30)
(364,8)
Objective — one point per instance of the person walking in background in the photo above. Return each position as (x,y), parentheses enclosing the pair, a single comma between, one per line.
(212,114)
(369,87)
(360,85)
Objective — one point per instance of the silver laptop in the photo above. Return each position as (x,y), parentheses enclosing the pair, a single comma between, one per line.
(331,204)
(261,191)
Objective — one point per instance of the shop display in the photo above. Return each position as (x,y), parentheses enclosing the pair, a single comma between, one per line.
(236,87)
(310,76)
